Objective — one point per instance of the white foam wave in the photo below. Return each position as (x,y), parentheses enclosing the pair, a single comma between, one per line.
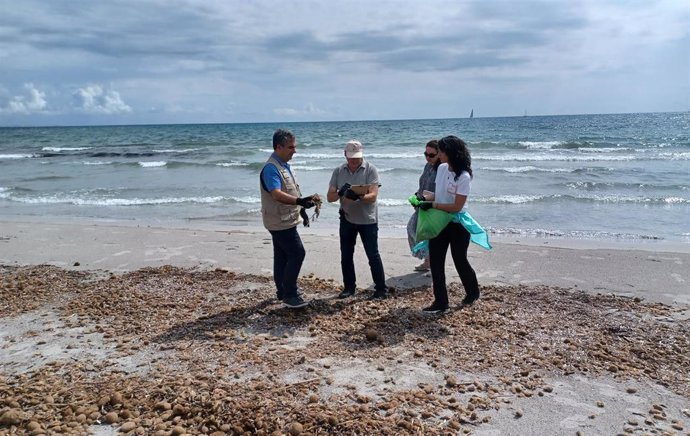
(16,156)
(98,163)
(676,156)
(616,199)
(58,149)
(232,164)
(549,157)
(320,155)
(116,201)
(153,164)
(4,192)
(339,155)
(512,199)
(604,149)
(312,168)
(410,155)
(529,168)
(246,199)
(540,145)
(567,234)
(628,199)
(172,150)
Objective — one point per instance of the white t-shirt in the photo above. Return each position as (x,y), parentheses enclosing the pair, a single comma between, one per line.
(447,187)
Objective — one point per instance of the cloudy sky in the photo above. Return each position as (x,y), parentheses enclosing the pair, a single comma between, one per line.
(75,62)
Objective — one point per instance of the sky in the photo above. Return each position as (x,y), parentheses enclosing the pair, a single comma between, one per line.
(76,62)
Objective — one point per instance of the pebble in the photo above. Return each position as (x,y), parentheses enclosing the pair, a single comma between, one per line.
(296,429)
(217,356)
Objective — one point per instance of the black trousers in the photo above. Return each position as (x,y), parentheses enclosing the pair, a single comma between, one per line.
(458,238)
(288,255)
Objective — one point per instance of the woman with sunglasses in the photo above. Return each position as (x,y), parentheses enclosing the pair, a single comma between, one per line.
(427,182)
(453,180)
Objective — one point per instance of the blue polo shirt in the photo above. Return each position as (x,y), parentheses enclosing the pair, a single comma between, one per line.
(270,176)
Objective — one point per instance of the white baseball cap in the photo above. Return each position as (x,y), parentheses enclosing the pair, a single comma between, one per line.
(353,149)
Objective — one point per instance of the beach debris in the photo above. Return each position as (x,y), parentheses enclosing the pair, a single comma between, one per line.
(186,351)
(317,206)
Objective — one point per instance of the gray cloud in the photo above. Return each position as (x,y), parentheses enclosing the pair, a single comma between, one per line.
(193,60)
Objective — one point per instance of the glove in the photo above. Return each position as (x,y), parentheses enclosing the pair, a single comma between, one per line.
(305,202)
(352,195)
(426,205)
(305,217)
(343,189)
(419,196)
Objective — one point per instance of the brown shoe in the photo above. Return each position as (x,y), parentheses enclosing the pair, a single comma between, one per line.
(423,267)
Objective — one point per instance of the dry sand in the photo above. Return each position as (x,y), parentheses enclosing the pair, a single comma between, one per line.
(564,340)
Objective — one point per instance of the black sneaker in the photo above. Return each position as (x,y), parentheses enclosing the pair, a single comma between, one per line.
(295,302)
(378,295)
(279,295)
(468,301)
(346,293)
(435,308)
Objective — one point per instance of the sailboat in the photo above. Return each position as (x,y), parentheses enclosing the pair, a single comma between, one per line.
(472,113)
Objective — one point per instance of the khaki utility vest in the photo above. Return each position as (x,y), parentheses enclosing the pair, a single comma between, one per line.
(277,215)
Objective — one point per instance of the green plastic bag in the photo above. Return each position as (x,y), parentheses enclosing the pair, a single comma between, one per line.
(430,223)
(435,223)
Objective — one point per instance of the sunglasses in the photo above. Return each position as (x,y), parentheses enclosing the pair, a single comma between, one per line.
(430,155)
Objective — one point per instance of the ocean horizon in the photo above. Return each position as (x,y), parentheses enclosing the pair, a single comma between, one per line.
(28,126)
(608,176)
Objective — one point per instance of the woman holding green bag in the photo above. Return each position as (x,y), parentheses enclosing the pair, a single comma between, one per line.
(453,180)
(427,182)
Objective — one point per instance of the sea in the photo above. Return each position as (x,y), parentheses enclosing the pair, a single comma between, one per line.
(616,177)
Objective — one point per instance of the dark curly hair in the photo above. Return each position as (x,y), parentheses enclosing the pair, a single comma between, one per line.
(282,137)
(459,159)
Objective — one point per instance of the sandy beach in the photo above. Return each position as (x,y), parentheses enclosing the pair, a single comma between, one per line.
(113,327)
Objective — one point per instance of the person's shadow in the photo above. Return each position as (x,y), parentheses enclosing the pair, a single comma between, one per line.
(265,316)
(391,329)
(268,317)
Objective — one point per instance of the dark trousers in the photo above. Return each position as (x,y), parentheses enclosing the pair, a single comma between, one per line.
(288,255)
(369,233)
(458,238)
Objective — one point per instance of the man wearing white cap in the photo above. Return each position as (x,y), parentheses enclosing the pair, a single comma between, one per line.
(356,185)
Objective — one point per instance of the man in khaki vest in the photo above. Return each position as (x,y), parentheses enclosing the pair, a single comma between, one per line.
(283,209)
